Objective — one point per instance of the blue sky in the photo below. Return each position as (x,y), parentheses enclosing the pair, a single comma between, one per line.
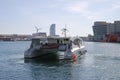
(20,16)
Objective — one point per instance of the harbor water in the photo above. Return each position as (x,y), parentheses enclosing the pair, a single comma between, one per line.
(101,62)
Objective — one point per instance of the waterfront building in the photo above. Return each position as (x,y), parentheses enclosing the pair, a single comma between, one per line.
(110,28)
(52,30)
(99,30)
(117,27)
(14,37)
(104,31)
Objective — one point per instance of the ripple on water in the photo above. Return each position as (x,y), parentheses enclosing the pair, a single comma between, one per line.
(99,63)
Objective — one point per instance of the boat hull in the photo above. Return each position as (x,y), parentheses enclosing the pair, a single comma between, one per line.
(53,54)
(64,55)
(33,53)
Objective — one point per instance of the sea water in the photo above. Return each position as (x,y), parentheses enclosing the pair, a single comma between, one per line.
(101,62)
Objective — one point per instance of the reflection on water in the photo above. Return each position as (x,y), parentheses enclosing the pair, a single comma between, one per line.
(101,62)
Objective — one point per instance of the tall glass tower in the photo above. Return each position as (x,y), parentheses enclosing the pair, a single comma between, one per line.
(52,30)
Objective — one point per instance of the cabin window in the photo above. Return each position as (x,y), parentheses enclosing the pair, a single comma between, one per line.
(62,47)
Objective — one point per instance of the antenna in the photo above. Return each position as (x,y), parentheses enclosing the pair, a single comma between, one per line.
(64,30)
(37,29)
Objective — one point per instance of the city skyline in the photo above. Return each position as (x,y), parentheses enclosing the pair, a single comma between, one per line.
(21,16)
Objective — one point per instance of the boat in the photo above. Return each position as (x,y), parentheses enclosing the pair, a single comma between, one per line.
(41,46)
(54,47)
(57,47)
(71,48)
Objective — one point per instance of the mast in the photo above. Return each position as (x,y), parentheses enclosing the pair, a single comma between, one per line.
(64,30)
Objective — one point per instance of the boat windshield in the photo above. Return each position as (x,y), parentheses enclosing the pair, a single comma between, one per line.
(64,44)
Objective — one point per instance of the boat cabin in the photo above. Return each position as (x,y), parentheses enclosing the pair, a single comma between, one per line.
(69,43)
(43,41)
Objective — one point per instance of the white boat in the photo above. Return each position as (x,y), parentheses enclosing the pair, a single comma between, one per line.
(41,46)
(71,48)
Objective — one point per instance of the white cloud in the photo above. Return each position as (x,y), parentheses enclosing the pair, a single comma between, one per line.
(79,7)
(116,5)
(82,8)
(90,10)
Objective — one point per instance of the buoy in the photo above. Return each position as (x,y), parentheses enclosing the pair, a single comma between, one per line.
(74,56)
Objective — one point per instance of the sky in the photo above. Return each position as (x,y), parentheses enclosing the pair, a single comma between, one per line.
(21,16)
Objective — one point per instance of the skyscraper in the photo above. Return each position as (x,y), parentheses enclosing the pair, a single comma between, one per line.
(52,30)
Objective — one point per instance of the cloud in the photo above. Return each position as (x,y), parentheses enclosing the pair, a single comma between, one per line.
(79,7)
(82,8)
(116,6)
(93,9)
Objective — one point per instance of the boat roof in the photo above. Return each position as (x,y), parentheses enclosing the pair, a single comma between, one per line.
(76,38)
